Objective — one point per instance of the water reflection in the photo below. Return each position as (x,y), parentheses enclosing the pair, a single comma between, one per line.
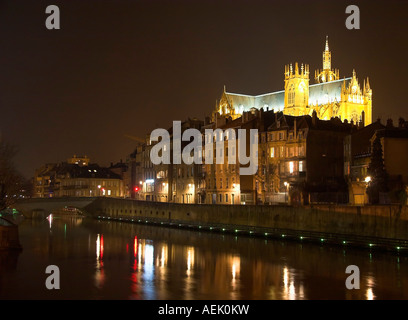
(369,292)
(49,218)
(116,260)
(290,292)
(164,255)
(99,272)
(189,280)
(235,262)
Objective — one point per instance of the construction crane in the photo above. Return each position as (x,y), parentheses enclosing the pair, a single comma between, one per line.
(141,140)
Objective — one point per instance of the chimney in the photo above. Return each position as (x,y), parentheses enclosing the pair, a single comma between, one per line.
(389,123)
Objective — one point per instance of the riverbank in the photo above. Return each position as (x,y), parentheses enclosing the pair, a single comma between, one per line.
(371,227)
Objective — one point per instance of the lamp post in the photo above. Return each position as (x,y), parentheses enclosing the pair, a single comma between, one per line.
(286,184)
(367,180)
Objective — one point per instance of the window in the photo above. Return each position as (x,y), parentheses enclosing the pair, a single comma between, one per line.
(220,197)
(160,174)
(300,166)
(291,167)
(301,151)
(282,167)
(291,95)
(226,197)
(291,151)
(272,152)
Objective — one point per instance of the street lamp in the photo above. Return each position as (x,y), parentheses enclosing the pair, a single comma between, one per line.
(367,181)
(286,184)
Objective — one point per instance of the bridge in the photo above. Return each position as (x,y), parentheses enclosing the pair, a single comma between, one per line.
(43,207)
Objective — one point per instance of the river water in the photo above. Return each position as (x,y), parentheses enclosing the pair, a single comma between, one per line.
(119,260)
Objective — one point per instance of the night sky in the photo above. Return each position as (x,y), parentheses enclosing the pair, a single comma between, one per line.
(128,67)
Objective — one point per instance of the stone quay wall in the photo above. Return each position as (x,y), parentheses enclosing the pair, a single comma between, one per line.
(375,225)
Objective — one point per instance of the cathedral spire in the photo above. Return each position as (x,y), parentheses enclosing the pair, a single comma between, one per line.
(368,85)
(326,74)
(327,56)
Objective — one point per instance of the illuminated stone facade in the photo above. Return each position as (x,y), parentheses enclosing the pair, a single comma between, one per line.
(330,96)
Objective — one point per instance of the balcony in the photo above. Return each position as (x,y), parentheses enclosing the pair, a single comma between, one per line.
(75,187)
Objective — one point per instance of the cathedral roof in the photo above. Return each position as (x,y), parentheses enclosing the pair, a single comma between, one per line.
(273,100)
(320,93)
(325,92)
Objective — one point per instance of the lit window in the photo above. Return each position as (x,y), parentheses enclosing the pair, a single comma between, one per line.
(291,166)
(272,152)
(291,95)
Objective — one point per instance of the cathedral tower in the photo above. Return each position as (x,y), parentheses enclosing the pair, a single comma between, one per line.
(296,89)
(326,74)
(356,102)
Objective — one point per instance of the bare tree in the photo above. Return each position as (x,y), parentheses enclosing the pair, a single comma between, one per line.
(10,179)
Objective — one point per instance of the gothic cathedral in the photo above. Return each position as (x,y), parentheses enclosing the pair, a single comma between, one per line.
(330,96)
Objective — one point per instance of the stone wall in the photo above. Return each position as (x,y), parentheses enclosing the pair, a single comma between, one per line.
(388,222)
